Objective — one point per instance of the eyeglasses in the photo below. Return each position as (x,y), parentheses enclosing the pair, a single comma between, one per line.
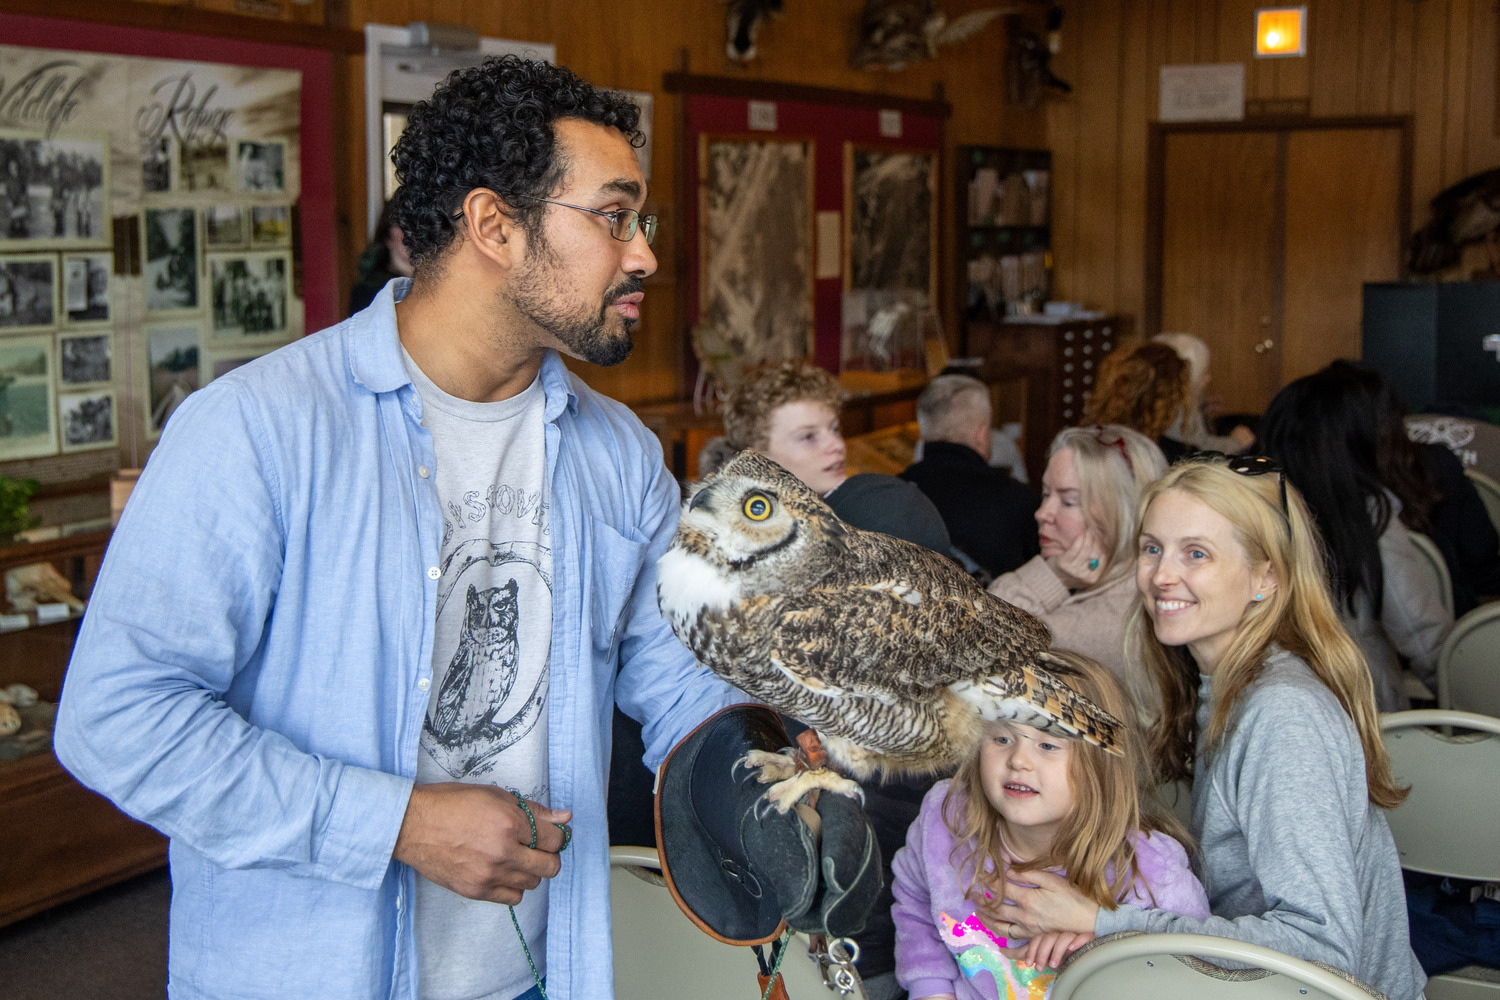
(1256,465)
(623,222)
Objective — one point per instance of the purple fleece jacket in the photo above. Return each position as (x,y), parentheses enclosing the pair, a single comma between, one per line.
(942,946)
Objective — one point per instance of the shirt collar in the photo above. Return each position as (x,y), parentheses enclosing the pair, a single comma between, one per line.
(374,350)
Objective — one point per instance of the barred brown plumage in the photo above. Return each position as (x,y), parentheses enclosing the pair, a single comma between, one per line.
(888,650)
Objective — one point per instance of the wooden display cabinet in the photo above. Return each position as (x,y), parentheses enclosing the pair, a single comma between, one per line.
(58,840)
(1041,374)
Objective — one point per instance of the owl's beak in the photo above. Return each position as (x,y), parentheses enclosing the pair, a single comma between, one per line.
(699,499)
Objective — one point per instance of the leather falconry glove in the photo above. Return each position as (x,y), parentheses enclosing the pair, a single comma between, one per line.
(736,866)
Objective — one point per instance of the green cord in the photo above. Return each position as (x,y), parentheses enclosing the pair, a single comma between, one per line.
(786,939)
(525,949)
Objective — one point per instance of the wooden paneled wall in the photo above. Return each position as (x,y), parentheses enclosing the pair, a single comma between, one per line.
(1432,59)
(630,44)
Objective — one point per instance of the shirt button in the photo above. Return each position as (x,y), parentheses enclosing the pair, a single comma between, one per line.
(423,684)
(422,471)
(398,901)
(433,572)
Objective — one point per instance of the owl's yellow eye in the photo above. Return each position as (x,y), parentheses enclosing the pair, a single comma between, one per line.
(757,507)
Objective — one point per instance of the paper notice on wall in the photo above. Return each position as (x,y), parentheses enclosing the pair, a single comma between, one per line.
(762,116)
(830,237)
(1205,93)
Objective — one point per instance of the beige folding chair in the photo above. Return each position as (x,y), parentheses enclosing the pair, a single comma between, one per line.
(659,952)
(1443,583)
(1450,823)
(1489,492)
(1468,672)
(1173,967)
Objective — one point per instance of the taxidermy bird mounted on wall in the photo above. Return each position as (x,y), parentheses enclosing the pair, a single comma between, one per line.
(742,23)
(892,654)
(1030,62)
(893,33)
(1465,213)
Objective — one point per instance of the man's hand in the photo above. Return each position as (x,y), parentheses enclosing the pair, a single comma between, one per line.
(473,840)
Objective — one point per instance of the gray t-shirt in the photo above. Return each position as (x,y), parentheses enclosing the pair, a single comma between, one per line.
(487,711)
(1296,857)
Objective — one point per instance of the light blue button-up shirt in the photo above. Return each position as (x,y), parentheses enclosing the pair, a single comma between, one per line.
(255,664)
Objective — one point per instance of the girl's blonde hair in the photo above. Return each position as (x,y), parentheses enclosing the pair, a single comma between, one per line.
(1298,615)
(1096,837)
(1112,464)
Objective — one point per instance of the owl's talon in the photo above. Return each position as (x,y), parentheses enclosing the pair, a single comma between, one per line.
(787,793)
(769,766)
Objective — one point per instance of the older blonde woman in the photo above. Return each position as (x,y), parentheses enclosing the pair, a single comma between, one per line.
(1082,584)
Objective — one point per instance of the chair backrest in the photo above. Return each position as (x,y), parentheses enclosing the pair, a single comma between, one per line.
(1147,965)
(1489,492)
(1468,673)
(659,952)
(1450,822)
(1443,581)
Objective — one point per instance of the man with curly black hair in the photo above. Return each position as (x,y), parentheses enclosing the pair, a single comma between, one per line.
(376,592)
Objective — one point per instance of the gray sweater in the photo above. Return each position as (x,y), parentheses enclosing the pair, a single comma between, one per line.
(1296,857)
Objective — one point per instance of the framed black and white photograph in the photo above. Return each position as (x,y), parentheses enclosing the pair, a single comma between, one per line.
(85,287)
(171,255)
(260,165)
(222,366)
(223,227)
(85,358)
(86,419)
(27,428)
(250,293)
(755,246)
(172,357)
(53,192)
(270,225)
(28,291)
(203,168)
(158,163)
(891,234)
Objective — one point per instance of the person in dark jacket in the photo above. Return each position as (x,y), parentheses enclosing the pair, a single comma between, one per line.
(988,513)
(385,258)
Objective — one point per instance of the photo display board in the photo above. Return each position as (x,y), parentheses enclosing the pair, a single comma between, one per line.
(814,226)
(147,216)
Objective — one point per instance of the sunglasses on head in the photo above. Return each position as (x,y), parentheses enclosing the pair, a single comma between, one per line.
(1251,465)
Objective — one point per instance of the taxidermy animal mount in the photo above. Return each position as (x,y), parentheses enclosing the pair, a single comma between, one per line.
(1030,62)
(1465,213)
(893,33)
(742,21)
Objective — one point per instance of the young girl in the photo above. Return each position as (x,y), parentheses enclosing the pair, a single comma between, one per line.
(1268,705)
(1026,802)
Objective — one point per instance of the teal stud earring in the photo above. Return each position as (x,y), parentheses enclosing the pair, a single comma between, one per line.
(1260,597)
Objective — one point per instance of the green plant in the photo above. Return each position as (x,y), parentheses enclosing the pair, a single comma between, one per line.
(14,493)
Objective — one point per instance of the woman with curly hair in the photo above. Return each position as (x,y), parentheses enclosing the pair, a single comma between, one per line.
(1146,388)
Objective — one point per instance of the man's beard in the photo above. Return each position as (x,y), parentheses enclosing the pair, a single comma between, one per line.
(584,332)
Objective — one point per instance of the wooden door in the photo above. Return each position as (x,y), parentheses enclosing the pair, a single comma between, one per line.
(1221,257)
(1343,228)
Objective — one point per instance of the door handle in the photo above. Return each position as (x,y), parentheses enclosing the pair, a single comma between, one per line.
(1264,346)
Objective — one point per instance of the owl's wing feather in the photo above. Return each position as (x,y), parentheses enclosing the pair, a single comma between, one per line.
(1032,696)
(886,636)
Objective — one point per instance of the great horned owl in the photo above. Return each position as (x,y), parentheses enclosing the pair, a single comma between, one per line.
(889,651)
(483,669)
